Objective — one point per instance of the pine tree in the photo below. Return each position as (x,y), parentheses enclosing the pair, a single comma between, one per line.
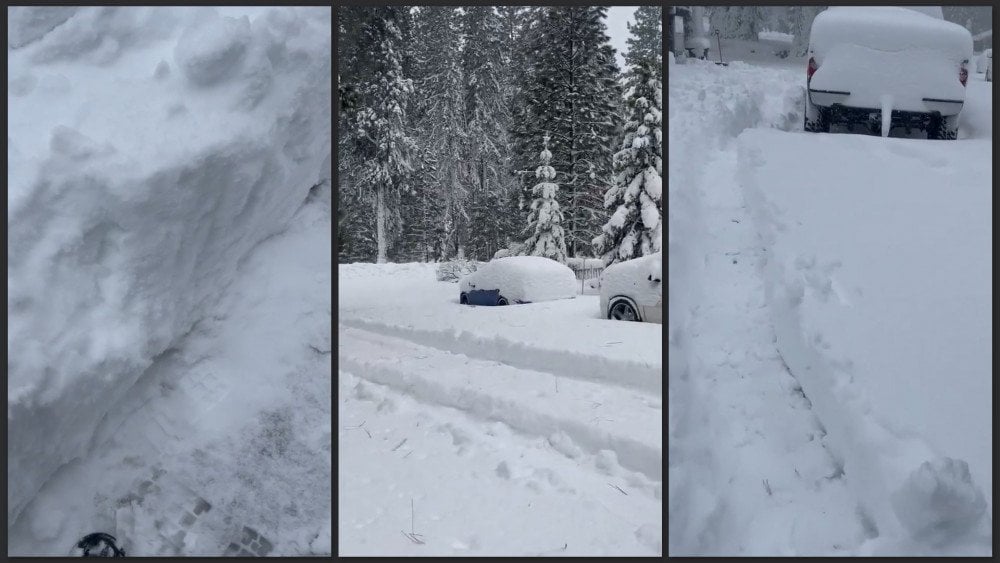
(635,226)
(485,64)
(646,41)
(375,145)
(570,90)
(545,219)
(441,124)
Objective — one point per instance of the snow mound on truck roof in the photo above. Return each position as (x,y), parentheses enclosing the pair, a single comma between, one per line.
(524,278)
(888,28)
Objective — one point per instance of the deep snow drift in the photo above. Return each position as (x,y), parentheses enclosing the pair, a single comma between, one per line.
(151,150)
(520,430)
(829,327)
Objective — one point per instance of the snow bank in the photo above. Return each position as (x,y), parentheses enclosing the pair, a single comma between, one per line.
(134,192)
(564,336)
(454,270)
(524,278)
(884,318)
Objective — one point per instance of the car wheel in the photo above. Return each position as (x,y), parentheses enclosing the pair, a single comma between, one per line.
(502,301)
(943,127)
(817,119)
(463,299)
(622,311)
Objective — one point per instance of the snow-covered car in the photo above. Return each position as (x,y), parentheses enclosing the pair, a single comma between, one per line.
(887,66)
(632,290)
(517,279)
(989,65)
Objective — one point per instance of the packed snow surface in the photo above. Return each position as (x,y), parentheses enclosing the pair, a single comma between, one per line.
(151,151)
(526,279)
(525,430)
(829,326)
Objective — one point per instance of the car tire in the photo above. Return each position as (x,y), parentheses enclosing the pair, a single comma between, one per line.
(463,299)
(622,310)
(943,127)
(502,301)
(817,119)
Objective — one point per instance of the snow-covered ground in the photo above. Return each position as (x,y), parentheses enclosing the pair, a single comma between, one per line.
(168,279)
(830,337)
(520,430)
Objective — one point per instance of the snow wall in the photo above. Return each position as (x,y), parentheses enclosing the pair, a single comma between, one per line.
(150,150)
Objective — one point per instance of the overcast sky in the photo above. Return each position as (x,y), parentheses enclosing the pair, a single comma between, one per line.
(617,17)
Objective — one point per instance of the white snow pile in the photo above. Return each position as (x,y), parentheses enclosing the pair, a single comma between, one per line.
(871,51)
(528,279)
(776,36)
(577,263)
(150,150)
(836,293)
(938,501)
(454,270)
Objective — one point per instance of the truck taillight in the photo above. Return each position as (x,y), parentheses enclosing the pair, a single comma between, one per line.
(963,73)
(810,69)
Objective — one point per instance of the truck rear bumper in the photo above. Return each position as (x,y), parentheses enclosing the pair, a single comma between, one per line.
(930,106)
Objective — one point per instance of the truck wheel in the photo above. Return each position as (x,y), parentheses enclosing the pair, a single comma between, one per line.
(817,119)
(943,127)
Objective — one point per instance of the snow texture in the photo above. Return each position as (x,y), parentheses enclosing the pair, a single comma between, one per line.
(135,194)
(790,431)
(521,431)
(524,278)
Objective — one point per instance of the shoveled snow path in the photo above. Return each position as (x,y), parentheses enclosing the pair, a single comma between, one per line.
(739,406)
(570,412)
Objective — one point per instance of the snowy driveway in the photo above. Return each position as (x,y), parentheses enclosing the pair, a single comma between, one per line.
(829,327)
(521,430)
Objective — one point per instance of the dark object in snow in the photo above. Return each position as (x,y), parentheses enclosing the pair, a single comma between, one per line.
(718,39)
(484,297)
(98,544)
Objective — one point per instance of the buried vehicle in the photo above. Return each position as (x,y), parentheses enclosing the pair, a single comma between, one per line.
(886,67)
(632,290)
(517,279)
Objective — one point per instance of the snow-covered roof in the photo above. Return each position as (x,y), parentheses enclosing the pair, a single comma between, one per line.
(887,28)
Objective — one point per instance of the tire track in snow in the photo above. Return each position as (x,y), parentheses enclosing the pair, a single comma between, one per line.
(546,405)
(583,367)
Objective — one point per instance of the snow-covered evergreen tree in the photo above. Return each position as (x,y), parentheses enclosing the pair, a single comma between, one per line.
(646,41)
(441,124)
(545,219)
(374,141)
(634,201)
(485,64)
(571,91)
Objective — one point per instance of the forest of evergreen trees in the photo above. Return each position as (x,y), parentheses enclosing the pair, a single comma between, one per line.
(465,131)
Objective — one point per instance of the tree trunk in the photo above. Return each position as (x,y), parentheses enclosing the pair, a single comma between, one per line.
(380,235)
